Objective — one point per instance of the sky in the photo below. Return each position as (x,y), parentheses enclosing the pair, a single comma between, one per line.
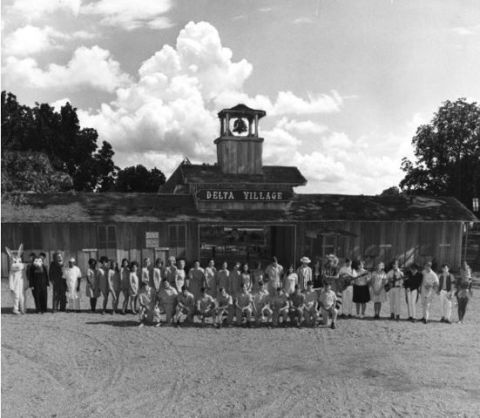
(345,83)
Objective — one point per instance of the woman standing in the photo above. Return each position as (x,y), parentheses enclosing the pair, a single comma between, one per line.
(133,289)
(117,285)
(125,283)
(72,276)
(113,280)
(210,278)
(180,276)
(361,294)
(377,287)
(92,290)
(290,281)
(157,274)
(196,280)
(257,276)
(463,290)
(246,278)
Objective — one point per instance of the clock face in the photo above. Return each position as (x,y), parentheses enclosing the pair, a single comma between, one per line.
(239,126)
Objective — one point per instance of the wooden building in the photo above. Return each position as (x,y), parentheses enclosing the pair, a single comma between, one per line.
(237,209)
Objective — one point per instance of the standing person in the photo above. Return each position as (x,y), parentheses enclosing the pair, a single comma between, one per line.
(327,301)
(73,276)
(180,276)
(297,306)
(377,287)
(211,278)
(38,279)
(246,278)
(171,271)
(361,292)
(347,275)
(134,287)
(261,305)
(235,280)
(412,285)
(168,301)
(244,305)
(117,286)
(157,274)
(395,281)
(185,306)
(26,269)
(224,306)
(311,304)
(290,281)
(317,272)
(330,270)
(102,280)
(92,290)
(257,276)
(196,279)
(223,278)
(445,290)
(274,275)
(125,283)
(145,275)
(108,286)
(205,306)
(463,290)
(59,285)
(304,273)
(280,306)
(429,285)
(17,279)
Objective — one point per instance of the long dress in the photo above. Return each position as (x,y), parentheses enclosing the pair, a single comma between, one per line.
(377,287)
(196,281)
(92,290)
(72,274)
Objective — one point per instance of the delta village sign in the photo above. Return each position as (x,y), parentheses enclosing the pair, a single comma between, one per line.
(244,195)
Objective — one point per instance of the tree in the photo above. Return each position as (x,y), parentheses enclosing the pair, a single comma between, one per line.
(70,149)
(139,179)
(447,154)
(391,191)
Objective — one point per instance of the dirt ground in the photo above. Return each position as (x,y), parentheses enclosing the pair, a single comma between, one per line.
(89,365)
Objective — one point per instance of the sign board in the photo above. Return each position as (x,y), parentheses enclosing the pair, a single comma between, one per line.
(89,250)
(152,239)
(222,195)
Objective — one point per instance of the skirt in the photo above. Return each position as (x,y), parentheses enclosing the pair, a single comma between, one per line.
(361,294)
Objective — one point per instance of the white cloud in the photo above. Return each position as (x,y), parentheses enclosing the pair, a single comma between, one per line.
(35,9)
(302,20)
(466,30)
(57,104)
(93,67)
(130,14)
(29,40)
(303,127)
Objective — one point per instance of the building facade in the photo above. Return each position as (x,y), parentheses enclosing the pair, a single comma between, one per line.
(238,210)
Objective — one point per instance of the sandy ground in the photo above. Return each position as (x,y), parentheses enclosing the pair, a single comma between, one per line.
(89,365)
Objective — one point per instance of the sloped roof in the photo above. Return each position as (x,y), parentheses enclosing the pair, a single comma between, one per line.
(151,207)
(212,174)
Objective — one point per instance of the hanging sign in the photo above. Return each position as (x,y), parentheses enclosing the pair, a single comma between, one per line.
(219,195)
(152,239)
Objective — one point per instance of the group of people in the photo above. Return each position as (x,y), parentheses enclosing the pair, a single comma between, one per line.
(268,295)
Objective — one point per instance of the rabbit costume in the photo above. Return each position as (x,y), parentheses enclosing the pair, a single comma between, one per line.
(17,279)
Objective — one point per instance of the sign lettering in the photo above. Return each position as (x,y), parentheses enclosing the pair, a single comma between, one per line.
(244,195)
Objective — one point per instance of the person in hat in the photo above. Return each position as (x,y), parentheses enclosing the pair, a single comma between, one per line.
(274,275)
(73,276)
(304,273)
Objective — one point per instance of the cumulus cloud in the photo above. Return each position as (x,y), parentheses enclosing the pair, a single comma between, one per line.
(29,40)
(130,14)
(93,67)
(38,8)
(302,127)
(172,107)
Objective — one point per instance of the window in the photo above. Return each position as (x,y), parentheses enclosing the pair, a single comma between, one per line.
(176,240)
(107,236)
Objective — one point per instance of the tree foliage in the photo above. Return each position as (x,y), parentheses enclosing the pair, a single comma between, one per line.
(139,179)
(59,138)
(447,154)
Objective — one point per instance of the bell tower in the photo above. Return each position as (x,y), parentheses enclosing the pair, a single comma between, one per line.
(239,148)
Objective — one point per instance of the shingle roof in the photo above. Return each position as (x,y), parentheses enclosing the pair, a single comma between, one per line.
(150,207)
(211,174)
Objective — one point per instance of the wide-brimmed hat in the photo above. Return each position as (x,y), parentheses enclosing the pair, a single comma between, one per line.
(305,260)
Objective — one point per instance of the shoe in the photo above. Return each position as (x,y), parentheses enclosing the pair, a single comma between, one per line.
(410,318)
(414,320)
(392,316)
(398,317)
(333,325)
(424,320)
(442,319)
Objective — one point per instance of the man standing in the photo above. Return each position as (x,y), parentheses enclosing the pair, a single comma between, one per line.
(73,276)
(327,300)
(347,274)
(304,273)
(59,285)
(243,304)
(429,285)
(196,279)
(412,285)
(445,291)
(297,305)
(395,279)
(185,306)
(261,306)
(274,274)
(311,302)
